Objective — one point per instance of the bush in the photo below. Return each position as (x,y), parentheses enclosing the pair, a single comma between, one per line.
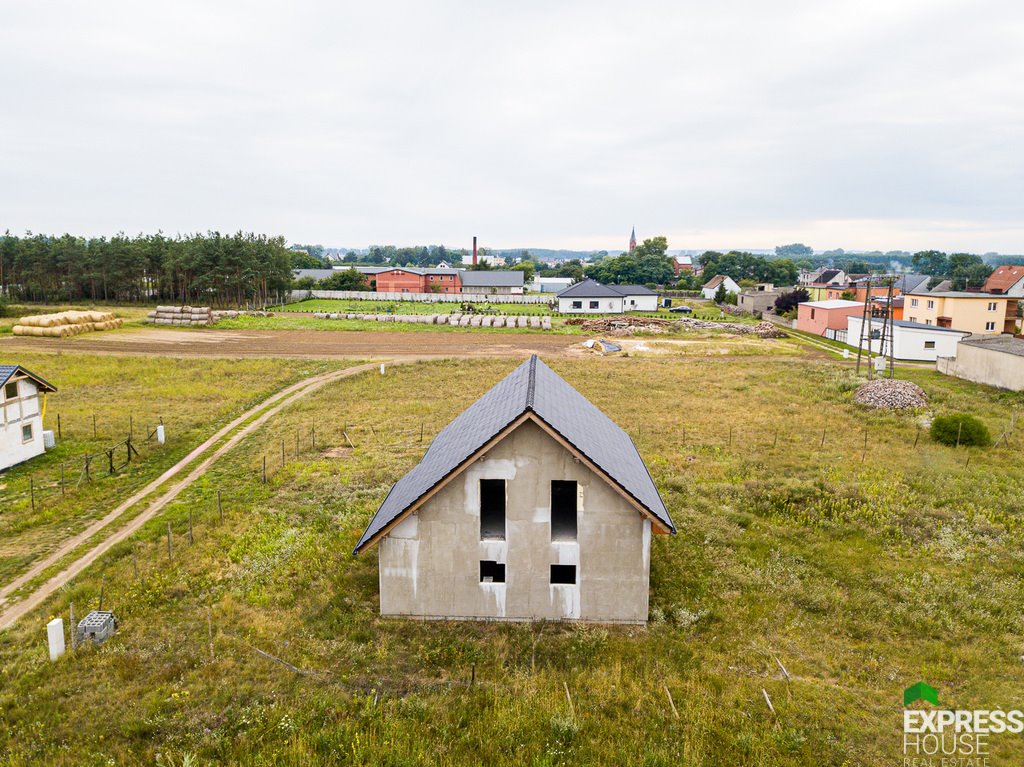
(946,429)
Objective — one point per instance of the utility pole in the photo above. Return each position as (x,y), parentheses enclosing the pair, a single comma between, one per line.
(865,328)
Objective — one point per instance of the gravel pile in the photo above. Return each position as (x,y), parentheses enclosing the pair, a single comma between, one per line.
(624,326)
(890,394)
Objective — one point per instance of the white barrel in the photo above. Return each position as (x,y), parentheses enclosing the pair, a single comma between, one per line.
(160,437)
(49,440)
(55,637)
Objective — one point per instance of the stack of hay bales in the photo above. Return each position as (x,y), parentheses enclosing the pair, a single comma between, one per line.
(181,315)
(65,324)
(230,314)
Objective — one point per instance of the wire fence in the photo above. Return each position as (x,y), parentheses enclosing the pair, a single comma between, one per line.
(40,487)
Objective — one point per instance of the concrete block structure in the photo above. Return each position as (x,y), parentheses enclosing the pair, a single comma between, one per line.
(992,360)
(96,627)
(22,398)
(531,505)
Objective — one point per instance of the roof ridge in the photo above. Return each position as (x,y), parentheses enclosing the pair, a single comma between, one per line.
(531,386)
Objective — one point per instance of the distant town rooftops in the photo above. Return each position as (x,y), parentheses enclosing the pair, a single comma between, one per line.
(1004,278)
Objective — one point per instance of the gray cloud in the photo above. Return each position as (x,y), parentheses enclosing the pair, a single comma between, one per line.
(854,124)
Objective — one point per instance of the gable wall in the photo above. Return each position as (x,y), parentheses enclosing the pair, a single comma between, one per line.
(14,414)
(430,563)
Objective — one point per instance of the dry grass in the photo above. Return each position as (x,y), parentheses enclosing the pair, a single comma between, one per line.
(861,573)
(191,397)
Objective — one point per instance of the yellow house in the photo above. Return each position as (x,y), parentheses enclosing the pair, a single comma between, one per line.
(979,313)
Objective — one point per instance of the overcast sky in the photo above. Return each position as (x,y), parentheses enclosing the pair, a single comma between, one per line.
(893,124)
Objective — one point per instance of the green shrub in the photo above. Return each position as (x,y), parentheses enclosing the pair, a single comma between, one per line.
(960,428)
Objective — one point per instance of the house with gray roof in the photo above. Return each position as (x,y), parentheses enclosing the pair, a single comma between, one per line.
(591,297)
(531,505)
(492,281)
(22,394)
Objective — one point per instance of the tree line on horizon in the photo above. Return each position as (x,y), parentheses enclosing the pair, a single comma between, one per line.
(211,268)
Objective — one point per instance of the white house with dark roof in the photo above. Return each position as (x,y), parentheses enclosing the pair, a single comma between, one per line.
(22,398)
(531,505)
(591,297)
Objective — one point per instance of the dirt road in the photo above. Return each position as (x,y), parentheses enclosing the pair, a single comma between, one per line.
(275,403)
(310,344)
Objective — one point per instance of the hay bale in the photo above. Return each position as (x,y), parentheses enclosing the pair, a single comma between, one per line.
(545,323)
(486,322)
(474,322)
(521,322)
(534,322)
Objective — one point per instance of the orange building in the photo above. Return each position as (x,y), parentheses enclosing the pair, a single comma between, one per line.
(410,280)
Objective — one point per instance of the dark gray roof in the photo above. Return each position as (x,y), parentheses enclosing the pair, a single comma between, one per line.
(634,290)
(316,274)
(828,275)
(484,278)
(589,288)
(534,387)
(1001,343)
(879,322)
(958,294)
(8,371)
(909,283)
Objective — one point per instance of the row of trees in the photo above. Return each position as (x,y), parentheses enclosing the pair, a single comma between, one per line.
(747,266)
(201,268)
(964,270)
(646,264)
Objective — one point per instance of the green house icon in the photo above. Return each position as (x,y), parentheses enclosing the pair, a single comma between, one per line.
(920,691)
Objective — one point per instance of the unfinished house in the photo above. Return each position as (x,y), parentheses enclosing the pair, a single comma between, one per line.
(531,505)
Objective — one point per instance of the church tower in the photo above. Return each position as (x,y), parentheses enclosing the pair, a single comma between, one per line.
(632,240)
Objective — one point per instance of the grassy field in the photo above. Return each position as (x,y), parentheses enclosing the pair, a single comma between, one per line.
(860,570)
(701,309)
(192,397)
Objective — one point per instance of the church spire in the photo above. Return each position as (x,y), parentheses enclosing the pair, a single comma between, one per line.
(632,240)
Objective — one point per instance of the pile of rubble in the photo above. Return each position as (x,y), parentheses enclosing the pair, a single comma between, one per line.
(625,326)
(890,394)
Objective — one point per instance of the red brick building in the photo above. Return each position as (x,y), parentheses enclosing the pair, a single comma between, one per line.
(410,280)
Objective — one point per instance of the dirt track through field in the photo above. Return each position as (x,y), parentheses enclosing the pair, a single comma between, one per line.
(275,403)
(310,344)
